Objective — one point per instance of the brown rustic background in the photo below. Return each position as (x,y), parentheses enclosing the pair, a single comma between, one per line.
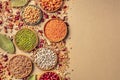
(95,32)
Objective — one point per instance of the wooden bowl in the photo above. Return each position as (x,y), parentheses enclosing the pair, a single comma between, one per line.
(52,30)
(34,45)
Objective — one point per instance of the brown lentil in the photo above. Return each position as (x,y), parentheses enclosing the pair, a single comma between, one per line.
(20,66)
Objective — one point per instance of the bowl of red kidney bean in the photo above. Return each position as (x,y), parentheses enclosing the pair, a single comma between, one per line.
(50,76)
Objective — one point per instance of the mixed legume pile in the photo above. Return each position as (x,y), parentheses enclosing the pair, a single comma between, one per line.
(38,31)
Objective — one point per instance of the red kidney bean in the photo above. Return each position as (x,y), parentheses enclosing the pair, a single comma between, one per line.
(5,57)
(18,12)
(58,12)
(20,25)
(5,29)
(40,31)
(1,71)
(1,22)
(60,65)
(46,15)
(42,20)
(49,76)
(65,49)
(53,16)
(9,73)
(6,9)
(6,3)
(10,26)
(41,41)
(0,5)
(1,66)
(40,45)
(17,17)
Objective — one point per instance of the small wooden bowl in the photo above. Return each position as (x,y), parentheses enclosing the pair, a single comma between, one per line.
(14,40)
(30,71)
(38,77)
(50,67)
(53,39)
(40,17)
(62,2)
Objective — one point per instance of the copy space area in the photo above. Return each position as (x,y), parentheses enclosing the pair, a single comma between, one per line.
(95,32)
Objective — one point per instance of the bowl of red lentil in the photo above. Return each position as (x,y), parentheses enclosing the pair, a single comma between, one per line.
(55,30)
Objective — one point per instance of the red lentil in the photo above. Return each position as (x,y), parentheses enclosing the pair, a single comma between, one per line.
(55,30)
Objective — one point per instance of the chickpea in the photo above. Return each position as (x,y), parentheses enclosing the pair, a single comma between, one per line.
(31,14)
(51,5)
